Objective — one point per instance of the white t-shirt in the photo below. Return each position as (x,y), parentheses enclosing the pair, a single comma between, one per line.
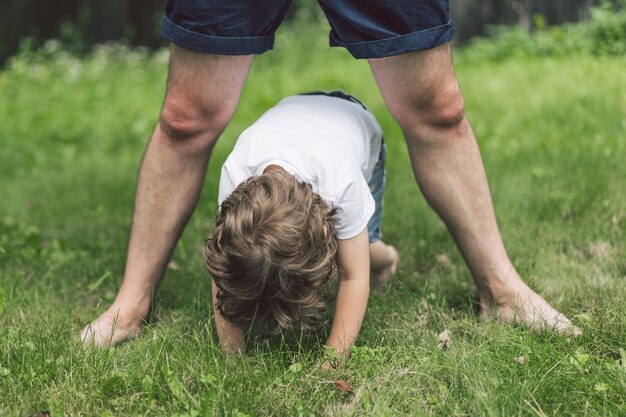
(329,142)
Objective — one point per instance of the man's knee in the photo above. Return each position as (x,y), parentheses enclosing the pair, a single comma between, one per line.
(445,110)
(192,119)
(440,108)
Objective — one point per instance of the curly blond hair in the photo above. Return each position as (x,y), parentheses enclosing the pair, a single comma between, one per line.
(272,253)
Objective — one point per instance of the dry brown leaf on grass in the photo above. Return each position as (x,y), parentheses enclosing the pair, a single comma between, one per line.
(343,386)
(445,339)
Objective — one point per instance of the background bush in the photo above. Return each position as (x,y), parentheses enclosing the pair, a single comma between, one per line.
(603,34)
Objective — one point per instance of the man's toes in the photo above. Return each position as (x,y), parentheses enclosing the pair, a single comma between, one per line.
(104,332)
(572,330)
(565,327)
(87,336)
(92,335)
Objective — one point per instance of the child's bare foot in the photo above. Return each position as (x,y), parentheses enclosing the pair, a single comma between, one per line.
(381,274)
(517,304)
(114,326)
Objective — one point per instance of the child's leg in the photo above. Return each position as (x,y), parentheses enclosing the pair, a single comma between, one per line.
(383,262)
(383,257)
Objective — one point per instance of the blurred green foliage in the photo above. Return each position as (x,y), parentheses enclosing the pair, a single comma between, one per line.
(603,34)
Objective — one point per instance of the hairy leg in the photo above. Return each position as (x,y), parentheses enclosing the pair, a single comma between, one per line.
(423,95)
(202,94)
(383,263)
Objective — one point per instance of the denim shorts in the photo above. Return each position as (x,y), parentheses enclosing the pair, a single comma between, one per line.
(377,188)
(366,28)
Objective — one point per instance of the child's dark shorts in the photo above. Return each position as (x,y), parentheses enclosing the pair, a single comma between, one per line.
(366,28)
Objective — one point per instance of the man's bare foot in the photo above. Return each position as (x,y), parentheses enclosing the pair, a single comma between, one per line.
(517,304)
(114,326)
(381,274)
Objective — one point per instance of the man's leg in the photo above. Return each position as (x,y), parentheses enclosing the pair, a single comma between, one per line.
(202,94)
(423,95)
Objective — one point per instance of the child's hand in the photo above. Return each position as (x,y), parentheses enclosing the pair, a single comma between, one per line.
(230,337)
(332,361)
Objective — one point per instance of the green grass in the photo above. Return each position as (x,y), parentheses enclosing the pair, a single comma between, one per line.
(553,136)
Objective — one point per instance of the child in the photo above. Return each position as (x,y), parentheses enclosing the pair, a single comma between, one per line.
(301,190)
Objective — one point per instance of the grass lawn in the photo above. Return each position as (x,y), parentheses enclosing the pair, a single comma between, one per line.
(553,136)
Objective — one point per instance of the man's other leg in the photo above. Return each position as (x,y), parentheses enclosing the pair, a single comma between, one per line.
(423,95)
(202,94)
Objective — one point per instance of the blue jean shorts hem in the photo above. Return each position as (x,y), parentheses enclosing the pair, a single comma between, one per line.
(218,45)
(397,45)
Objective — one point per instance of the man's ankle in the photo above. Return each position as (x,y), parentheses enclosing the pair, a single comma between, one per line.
(137,308)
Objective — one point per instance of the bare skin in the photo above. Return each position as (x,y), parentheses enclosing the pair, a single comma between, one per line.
(202,94)
(423,95)
(384,264)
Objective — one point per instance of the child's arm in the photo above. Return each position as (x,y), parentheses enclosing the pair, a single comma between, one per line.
(353,262)
(229,335)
